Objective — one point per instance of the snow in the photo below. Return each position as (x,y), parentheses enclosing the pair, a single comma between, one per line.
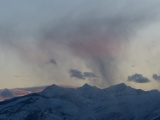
(119,102)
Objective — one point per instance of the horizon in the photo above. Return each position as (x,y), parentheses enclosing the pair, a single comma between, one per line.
(44,87)
(19,92)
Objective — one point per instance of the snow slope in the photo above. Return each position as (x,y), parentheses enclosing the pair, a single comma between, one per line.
(119,102)
(10,93)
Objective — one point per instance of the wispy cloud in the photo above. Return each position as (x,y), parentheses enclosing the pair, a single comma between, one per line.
(102,38)
(98,33)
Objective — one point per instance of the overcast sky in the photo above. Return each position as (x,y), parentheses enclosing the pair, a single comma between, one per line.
(46,42)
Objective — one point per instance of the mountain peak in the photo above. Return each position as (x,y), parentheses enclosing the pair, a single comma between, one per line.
(86,88)
(55,90)
(118,87)
(86,85)
(7,93)
(53,86)
(121,85)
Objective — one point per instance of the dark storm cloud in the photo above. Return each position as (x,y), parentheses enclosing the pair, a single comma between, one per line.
(81,75)
(156,77)
(76,74)
(53,61)
(89,75)
(138,78)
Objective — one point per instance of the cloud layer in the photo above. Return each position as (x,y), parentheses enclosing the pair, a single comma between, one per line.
(101,38)
(95,34)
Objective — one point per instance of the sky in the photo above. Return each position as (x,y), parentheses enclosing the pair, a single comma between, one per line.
(72,42)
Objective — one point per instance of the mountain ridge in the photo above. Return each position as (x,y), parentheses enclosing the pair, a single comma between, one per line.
(118,102)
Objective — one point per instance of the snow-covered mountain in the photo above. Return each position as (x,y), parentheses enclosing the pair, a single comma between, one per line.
(10,93)
(119,102)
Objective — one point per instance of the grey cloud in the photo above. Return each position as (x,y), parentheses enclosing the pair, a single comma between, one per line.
(53,61)
(81,75)
(76,74)
(138,78)
(89,75)
(156,77)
